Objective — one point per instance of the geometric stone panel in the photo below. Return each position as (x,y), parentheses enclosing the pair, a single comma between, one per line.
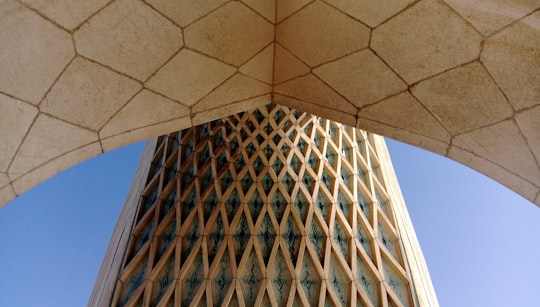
(130,37)
(47,139)
(512,57)
(184,12)
(316,42)
(394,111)
(93,92)
(232,215)
(34,52)
(361,77)
(372,13)
(222,34)
(67,13)
(13,114)
(424,40)
(489,16)
(456,94)
(189,76)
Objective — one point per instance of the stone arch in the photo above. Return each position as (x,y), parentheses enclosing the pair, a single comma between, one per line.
(79,79)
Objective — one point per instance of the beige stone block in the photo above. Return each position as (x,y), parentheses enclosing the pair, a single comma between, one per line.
(4,180)
(267,8)
(403,135)
(529,123)
(147,132)
(361,77)
(424,40)
(55,166)
(537,201)
(287,66)
(67,13)
(145,109)
(502,144)
(238,88)
(88,94)
(285,8)
(130,37)
(34,52)
(310,89)
(188,76)
(507,178)
(315,109)
(371,12)
(232,34)
(6,195)
(512,57)
(15,120)
(489,16)
(184,12)
(320,33)
(47,139)
(261,66)
(464,98)
(229,109)
(403,111)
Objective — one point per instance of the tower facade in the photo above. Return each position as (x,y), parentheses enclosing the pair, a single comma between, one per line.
(271,207)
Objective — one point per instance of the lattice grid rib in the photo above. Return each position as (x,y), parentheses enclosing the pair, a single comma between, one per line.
(268,207)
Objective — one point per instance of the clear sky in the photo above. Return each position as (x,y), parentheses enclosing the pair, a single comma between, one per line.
(481,241)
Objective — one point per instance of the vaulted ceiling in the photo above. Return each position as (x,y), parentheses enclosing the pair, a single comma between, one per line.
(460,78)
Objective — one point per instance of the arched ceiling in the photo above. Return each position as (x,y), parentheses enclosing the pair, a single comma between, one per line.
(457,77)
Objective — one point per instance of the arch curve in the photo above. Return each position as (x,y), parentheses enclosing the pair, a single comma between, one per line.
(79,79)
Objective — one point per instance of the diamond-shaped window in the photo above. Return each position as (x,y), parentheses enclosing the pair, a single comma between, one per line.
(246,183)
(278,205)
(266,236)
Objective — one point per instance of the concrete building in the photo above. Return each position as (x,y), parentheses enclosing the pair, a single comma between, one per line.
(79,78)
(269,207)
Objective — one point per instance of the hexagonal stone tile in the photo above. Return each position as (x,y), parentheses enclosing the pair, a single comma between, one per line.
(424,40)
(184,12)
(189,76)
(47,139)
(464,98)
(310,89)
(361,77)
(15,119)
(287,66)
(38,52)
(130,37)
(237,88)
(266,8)
(512,57)
(261,66)
(4,180)
(489,16)
(503,144)
(67,13)
(88,94)
(232,34)
(156,109)
(529,123)
(396,111)
(317,42)
(371,12)
(285,8)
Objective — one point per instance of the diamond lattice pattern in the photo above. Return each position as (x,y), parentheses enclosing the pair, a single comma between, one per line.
(268,207)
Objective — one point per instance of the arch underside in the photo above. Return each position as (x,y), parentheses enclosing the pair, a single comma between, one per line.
(454,77)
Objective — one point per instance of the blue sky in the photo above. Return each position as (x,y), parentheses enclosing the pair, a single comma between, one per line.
(481,240)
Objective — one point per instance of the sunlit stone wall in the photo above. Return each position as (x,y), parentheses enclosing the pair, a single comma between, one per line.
(267,207)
